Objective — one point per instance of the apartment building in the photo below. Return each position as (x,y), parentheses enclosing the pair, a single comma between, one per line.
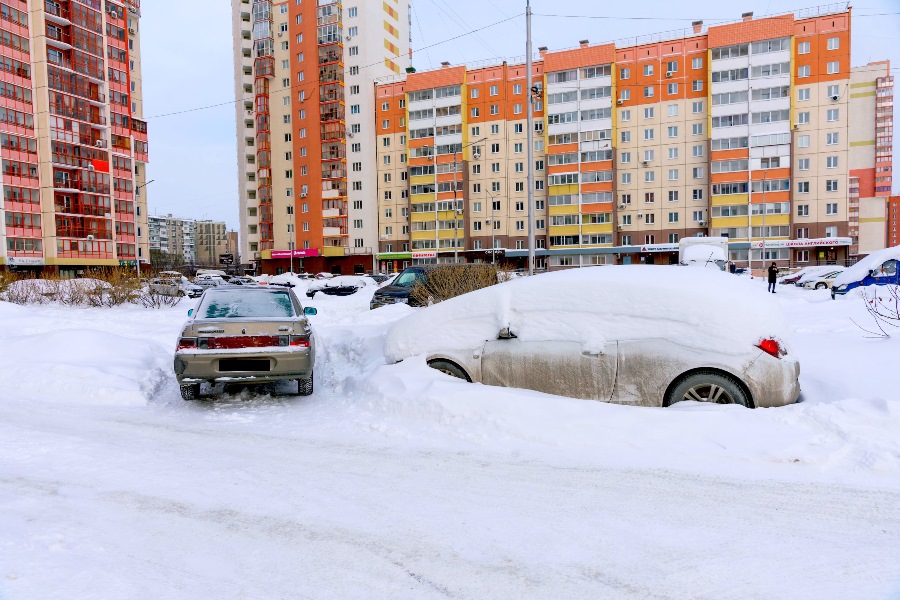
(757,130)
(198,242)
(72,139)
(306,117)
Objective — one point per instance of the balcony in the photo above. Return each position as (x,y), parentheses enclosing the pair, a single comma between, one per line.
(56,13)
(58,38)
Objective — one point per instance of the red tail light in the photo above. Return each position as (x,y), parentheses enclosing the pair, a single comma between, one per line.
(771,347)
(187,343)
(299,341)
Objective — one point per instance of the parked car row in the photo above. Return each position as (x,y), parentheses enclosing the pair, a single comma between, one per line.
(634,335)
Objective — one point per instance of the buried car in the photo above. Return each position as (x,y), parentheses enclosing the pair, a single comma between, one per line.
(246,335)
(643,335)
(341,285)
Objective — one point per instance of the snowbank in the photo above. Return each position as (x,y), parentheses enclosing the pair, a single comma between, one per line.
(703,254)
(861,269)
(696,307)
(82,366)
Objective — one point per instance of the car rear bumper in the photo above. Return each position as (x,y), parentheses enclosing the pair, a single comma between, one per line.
(247,367)
(773,381)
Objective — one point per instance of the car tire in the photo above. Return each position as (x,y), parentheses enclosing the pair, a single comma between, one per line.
(190,391)
(449,368)
(821,286)
(708,386)
(305,386)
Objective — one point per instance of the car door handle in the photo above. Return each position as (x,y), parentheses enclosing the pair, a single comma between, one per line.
(592,353)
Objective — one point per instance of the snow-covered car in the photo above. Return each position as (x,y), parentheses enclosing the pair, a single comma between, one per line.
(208,281)
(246,335)
(642,335)
(241,281)
(821,281)
(814,275)
(342,285)
(171,286)
(878,268)
(324,275)
(804,272)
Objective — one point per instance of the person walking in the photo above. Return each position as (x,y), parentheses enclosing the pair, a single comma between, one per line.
(773,275)
(732,268)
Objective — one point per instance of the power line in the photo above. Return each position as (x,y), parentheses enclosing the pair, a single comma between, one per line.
(316,82)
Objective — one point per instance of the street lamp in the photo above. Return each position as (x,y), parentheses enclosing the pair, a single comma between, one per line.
(457,210)
(137,260)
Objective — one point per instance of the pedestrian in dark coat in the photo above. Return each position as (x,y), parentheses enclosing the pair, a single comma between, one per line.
(773,275)
(732,268)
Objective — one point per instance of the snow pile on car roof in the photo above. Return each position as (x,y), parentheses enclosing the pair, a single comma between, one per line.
(860,270)
(694,307)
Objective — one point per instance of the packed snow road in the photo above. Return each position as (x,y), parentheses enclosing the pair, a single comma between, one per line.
(399,482)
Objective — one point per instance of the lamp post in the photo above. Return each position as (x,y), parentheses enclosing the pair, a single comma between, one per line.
(137,259)
(457,210)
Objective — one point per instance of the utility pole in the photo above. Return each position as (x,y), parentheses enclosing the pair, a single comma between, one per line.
(137,245)
(457,211)
(530,139)
(762,230)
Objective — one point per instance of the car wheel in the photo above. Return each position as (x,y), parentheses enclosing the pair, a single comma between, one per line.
(305,386)
(449,368)
(820,286)
(190,391)
(708,386)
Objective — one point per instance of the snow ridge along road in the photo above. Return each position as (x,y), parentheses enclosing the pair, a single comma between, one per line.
(399,482)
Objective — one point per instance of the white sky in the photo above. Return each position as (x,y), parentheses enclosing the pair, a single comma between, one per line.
(193,154)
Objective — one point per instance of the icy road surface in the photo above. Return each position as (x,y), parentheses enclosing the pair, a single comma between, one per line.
(399,482)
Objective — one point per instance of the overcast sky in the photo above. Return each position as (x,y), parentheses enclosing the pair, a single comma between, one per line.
(188,64)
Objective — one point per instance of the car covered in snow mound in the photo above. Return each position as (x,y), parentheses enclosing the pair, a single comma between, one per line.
(341,285)
(245,334)
(643,335)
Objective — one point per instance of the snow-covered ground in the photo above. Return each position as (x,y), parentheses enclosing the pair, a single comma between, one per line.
(399,482)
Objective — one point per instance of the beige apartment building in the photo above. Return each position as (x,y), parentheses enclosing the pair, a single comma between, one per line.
(757,130)
(304,77)
(72,138)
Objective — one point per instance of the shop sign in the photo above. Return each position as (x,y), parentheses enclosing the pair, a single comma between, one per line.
(430,254)
(659,248)
(805,243)
(25,261)
(310,252)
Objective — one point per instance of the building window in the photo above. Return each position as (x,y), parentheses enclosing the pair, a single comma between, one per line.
(803,164)
(672,88)
(831,162)
(648,91)
(624,73)
(831,138)
(803,94)
(834,67)
(803,118)
(834,43)
(696,63)
(697,85)
(648,70)
(697,129)
(803,71)
(831,208)
(802,187)
(673,217)
(831,185)
(697,107)
(834,114)
(831,231)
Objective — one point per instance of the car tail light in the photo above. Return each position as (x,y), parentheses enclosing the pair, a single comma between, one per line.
(771,347)
(299,341)
(187,343)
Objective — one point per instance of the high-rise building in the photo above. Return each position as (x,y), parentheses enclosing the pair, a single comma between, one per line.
(304,77)
(756,130)
(72,139)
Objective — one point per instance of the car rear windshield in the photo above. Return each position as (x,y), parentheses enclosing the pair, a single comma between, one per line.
(246,304)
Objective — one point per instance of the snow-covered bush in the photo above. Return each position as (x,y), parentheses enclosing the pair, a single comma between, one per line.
(883,304)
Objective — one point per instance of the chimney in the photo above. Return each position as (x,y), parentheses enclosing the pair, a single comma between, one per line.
(583,43)
(698,26)
(542,50)
(445,64)
(747,16)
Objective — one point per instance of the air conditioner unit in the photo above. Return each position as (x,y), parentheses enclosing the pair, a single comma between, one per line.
(669,73)
(702,223)
(645,163)
(620,101)
(131,30)
(280,33)
(349,37)
(349,134)
(622,205)
(303,195)
(835,98)
(476,155)
(100,143)
(796,126)
(640,215)
(619,228)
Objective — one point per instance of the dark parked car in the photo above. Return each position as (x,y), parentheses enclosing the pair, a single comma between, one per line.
(399,291)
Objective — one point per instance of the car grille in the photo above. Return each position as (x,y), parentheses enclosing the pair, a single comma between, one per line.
(230,365)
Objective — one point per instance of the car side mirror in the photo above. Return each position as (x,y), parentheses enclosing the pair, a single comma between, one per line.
(191,312)
(309,311)
(505,334)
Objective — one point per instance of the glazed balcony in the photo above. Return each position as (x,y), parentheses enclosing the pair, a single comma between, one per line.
(56,13)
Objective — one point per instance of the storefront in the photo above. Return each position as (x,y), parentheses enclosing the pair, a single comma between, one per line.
(393,262)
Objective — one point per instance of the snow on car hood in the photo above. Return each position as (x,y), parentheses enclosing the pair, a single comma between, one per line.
(861,269)
(702,254)
(693,307)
